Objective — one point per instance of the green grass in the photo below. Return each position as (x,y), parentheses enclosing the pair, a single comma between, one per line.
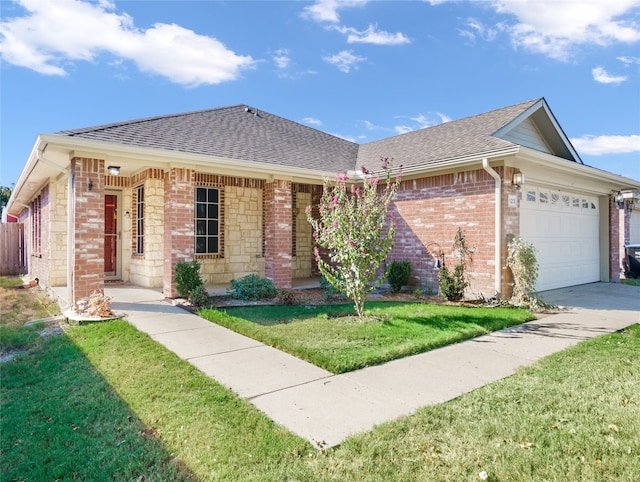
(61,421)
(573,416)
(325,337)
(631,282)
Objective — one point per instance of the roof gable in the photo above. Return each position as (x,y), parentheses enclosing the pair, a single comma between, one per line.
(537,128)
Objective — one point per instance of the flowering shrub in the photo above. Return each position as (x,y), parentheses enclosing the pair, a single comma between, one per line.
(354,228)
(522,261)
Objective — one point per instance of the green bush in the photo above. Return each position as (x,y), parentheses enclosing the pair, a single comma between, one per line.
(452,285)
(399,273)
(187,277)
(199,297)
(287,296)
(252,287)
(329,291)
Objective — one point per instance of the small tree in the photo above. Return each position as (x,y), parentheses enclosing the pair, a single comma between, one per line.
(521,260)
(453,284)
(354,227)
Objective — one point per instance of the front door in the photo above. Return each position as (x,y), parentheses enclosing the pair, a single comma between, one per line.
(111,235)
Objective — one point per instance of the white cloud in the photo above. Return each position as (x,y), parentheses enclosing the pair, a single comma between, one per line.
(43,41)
(345,60)
(477,29)
(372,36)
(312,121)
(629,60)
(327,10)
(281,58)
(604,77)
(602,145)
(555,28)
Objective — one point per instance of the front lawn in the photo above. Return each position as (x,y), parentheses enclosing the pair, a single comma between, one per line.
(329,337)
(572,416)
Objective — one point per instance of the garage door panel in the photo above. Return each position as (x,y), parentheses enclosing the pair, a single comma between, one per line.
(564,228)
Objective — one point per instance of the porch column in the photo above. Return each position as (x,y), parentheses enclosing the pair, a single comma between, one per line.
(616,237)
(178,224)
(277,232)
(88,226)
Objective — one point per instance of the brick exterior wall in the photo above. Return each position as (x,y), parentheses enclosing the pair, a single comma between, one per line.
(178,224)
(616,239)
(428,212)
(88,230)
(277,228)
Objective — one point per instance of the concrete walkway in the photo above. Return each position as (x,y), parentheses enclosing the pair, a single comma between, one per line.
(325,408)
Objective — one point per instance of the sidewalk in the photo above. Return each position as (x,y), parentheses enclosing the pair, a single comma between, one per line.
(325,408)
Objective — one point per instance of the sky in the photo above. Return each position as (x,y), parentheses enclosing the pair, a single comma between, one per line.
(362,70)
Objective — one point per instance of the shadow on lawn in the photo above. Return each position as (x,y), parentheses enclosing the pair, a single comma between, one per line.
(62,420)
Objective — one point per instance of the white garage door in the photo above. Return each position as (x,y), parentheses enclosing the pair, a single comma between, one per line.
(564,228)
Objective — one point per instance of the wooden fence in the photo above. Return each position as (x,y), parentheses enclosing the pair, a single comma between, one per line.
(12,249)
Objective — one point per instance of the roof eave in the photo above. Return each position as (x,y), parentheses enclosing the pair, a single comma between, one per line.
(569,167)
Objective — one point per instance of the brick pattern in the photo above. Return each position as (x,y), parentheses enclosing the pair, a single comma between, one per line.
(277,227)
(178,224)
(88,231)
(428,212)
(616,236)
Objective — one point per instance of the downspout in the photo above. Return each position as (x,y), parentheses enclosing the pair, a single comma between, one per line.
(69,175)
(498,221)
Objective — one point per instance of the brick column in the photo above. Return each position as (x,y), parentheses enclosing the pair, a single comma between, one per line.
(277,232)
(616,221)
(88,226)
(179,204)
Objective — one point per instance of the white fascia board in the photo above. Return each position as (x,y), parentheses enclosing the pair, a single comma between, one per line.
(169,159)
(457,163)
(564,166)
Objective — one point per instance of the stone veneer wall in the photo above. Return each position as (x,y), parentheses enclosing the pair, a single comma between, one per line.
(242,226)
(58,233)
(303,237)
(147,269)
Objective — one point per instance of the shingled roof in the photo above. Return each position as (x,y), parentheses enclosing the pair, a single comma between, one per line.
(235,132)
(244,133)
(455,139)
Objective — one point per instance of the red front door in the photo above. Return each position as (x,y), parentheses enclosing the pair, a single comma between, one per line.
(110,234)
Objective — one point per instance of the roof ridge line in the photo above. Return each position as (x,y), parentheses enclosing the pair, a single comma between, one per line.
(102,127)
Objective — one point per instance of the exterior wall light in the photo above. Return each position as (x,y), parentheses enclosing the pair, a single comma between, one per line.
(618,198)
(517,179)
(114,170)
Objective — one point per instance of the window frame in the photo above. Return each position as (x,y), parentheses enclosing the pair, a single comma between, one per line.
(140,208)
(212,219)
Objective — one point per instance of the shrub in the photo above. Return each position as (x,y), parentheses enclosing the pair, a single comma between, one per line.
(330,292)
(287,296)
(399,273)
(452,285)
(521,260)
(199,296)
(252,287)
(187,277)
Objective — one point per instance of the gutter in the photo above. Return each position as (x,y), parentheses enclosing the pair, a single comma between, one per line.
(69,175)
(498,222)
